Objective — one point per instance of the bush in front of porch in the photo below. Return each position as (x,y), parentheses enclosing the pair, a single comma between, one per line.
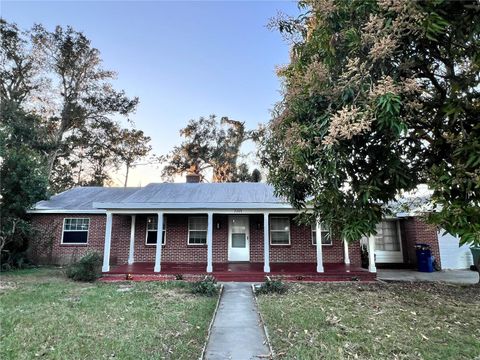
(86,269)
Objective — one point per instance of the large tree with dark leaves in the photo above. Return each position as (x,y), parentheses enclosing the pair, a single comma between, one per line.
(380,96)
(211,145)
(23,180)
(58,77)
(56,110)
(81,86)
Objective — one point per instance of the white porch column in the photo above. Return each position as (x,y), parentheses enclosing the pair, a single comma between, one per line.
(318,238)
(371,254)
(210,242)
(346,255)
(108,242)
(132,241)
(158,249)
(266,243)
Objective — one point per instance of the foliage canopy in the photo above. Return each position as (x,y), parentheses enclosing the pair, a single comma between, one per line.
(58,77)
(379,97)
(213,145)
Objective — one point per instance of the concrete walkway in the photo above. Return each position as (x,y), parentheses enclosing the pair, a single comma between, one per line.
(237,332)
(448,276)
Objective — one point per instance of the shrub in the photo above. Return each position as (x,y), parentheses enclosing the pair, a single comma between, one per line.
(86,269)
(270,286)
(14,260)
(207,286)
(178,276)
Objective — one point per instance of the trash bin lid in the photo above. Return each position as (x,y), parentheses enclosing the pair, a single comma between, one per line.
(422,246)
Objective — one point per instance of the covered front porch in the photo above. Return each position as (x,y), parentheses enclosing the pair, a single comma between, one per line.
(253,272)
(232,245)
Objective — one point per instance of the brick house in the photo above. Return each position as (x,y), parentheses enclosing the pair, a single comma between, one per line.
(206,227)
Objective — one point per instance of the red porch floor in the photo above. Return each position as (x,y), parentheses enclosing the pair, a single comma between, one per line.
(242,272)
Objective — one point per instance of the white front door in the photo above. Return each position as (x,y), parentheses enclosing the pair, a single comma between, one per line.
(238,238)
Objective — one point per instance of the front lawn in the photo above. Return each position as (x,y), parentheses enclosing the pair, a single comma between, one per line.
(374,321)
(42,314)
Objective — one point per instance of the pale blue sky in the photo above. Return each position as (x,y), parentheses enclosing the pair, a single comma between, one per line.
(182,59)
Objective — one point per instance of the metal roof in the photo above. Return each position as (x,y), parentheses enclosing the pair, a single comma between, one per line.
(82,198)
(167,196)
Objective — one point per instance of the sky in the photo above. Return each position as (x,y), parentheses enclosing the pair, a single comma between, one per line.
(183,59)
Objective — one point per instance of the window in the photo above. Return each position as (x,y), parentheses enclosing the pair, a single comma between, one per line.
(75,231)
(280,231)
(387,237)
(152,230)
(197,230)
(325,235)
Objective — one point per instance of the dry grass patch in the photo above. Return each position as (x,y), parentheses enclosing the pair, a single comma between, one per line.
(47,316)
(374,321)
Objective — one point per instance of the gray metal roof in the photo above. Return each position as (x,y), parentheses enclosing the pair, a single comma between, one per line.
(82,198)
(168,196)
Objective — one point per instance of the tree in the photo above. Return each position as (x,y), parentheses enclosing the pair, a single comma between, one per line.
(243,174)
(57,130)
(256,176)
(84,89)
(57,76)
(23,179)
(379,97)
(100,150)
(20,65)
(210,145)
(132,147)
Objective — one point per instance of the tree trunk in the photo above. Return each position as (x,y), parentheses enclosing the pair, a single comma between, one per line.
(126,175)
(52,156)
(50,162)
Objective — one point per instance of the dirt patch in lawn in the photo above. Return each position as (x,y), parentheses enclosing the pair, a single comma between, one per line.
(6,285)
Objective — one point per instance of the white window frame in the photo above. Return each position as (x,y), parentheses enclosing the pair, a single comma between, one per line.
(164,238)
(313,232)
(63,231)
(188,229)
(289,229)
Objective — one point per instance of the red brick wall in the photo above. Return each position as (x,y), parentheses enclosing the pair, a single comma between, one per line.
(301,249)
(176,248)
(256,238)
(46,247)
(416,231)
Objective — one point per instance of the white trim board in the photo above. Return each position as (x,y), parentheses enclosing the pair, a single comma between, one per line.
(65,211)
(192,211)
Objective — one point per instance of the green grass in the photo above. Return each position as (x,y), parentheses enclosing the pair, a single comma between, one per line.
(42,314)
(374,321)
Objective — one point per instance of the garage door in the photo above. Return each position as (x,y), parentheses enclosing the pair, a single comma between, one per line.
(451,255)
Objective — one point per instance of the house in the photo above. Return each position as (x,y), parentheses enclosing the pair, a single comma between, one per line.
(410,229)
(222,228)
